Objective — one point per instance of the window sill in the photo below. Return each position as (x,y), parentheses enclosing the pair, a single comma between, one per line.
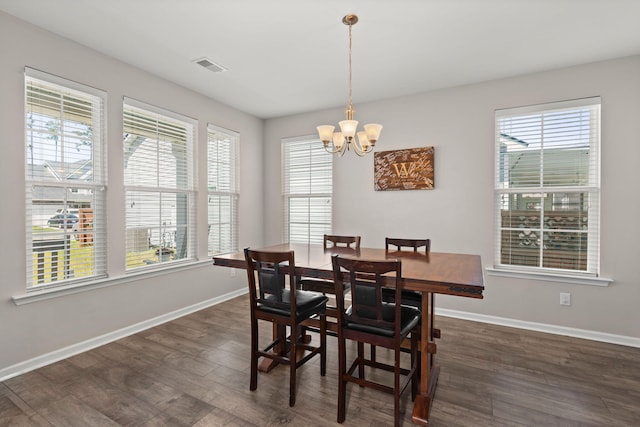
(550,277)
(36,295)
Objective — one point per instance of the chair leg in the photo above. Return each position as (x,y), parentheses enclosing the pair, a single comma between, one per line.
(253,384)
(373,353)
(361,360)
(396,388)
(342,384)
(415,361)
(323,345)
(293,357)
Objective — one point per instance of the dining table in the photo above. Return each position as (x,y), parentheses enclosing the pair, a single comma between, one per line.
(429,273)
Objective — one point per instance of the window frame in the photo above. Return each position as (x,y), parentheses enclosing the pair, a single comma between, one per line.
(162,238)
(320,186)
(590,274)
(232,193)
(77,255)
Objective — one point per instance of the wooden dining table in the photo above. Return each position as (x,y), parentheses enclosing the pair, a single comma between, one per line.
(431,273)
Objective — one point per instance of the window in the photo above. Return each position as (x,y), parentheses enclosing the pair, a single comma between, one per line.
(65,178)
(547,189)
(222,185)
(159,184)
(307,188)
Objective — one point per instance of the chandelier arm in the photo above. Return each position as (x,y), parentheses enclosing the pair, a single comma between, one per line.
(329,150)
(340,151)
(359,152)
(357,148)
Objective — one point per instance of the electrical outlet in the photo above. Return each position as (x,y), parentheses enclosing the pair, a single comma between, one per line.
(565,298)
(233,272)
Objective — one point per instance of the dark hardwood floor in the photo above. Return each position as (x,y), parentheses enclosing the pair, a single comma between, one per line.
(193,371)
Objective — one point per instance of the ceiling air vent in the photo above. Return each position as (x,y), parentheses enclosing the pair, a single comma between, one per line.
(210,65)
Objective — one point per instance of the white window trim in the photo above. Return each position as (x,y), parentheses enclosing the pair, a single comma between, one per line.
(288,196)
(70,289)
(235,192)
(99,185)
(538,273)
(191,190)
(549,277)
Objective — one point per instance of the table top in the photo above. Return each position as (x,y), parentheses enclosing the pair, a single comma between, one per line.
(443,273)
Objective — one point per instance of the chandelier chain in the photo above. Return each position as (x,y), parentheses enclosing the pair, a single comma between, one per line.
(350,68)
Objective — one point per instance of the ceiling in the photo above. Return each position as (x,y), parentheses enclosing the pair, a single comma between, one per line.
(291,56)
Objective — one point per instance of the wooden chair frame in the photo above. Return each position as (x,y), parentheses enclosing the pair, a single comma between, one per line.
(267,305)
(363,274)
(408,243)
(414,244)
(326,286)
(346,241)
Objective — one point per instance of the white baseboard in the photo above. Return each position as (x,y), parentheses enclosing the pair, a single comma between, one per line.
(72,350)
(63,353)
(542,327)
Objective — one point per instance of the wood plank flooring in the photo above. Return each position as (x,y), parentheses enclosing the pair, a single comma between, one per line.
(193,371)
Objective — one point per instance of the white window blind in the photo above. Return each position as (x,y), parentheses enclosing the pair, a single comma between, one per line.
(65,178)
(547,190)
(222,185)
(307,188)
(160,189)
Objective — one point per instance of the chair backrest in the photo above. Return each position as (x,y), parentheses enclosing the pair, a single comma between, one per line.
(345,241)
(265,269)
(366,282)
(408,243)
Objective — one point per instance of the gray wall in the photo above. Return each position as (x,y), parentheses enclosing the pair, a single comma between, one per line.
(35,329)
(458,214)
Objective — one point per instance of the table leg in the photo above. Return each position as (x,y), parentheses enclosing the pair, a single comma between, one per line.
(428,370)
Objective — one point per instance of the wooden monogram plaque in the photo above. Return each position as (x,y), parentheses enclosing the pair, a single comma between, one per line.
(409,169)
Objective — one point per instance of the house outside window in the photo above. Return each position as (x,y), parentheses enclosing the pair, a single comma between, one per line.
(65,181)
(222,187)
(547,187)
(307,190)
(159,184)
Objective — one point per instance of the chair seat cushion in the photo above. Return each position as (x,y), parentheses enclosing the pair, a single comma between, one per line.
(307,304)
(410,317)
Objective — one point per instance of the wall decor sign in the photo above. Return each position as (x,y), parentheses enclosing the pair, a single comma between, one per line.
(409,169)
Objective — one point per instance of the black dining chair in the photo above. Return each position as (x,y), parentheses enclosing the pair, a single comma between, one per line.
(271,300)
(410,298)
(326,286)
(371,320)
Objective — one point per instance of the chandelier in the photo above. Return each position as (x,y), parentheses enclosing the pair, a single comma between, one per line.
(344,140)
